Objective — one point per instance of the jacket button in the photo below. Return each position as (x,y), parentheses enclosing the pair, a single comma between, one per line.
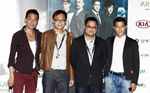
(131,71)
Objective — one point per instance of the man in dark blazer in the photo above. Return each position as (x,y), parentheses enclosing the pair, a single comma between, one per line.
(88,59)
(24,55)
(122,69)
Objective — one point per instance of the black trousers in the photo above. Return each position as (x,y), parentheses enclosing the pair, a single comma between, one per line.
(55,81)
(88,89)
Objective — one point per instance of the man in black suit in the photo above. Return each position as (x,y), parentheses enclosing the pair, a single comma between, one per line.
(88,59)
(122,69)
(24,55)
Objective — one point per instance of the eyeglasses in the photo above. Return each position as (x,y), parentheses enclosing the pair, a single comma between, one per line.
(92,27)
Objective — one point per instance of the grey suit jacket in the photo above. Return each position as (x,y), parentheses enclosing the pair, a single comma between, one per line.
(77,24)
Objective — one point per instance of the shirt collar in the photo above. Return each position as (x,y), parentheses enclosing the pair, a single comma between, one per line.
(89,41)
(120,38)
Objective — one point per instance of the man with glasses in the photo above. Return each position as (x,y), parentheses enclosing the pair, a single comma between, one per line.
(55,56)
(89,58)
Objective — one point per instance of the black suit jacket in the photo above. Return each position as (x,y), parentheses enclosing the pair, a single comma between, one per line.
(85,74)
(130,58)
(24,60)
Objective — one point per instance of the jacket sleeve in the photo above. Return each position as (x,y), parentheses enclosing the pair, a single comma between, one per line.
(136,63)
(70,66)
(13,50)
(74,54)
(43,47)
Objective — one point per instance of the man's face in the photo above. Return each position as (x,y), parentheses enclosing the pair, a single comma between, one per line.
(96,6)
(90,28)
(31,21)
(59,21)
(66,6)
(120,28)
(79,4)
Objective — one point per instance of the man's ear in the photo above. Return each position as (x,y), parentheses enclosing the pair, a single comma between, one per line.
(113,27)
(126,27)
(25,20)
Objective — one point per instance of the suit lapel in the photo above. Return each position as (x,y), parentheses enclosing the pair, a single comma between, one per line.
(27,42)
(84,50)
(37,39)
(95,51)
(125,50)
(111,47)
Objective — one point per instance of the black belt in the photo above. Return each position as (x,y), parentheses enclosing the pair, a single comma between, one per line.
(117,73)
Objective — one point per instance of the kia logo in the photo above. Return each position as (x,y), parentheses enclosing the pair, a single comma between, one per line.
(143,23)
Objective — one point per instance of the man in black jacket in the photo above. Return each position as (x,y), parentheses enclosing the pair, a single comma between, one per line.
(122,69)
(24,55)
(88,59)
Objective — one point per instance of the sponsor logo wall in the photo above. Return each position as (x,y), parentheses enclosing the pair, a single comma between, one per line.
(139,29)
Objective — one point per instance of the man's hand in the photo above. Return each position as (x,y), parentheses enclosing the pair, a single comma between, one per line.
(71,83)
(133,87)
(11,77)
(11,81)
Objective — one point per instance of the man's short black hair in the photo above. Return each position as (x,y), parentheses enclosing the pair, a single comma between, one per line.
(57,12)
(119,19)
(90,19)
(32,11)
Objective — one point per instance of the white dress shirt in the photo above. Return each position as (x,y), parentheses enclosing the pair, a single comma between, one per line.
(33,49)
(117,58)
(59,62)
(90,49)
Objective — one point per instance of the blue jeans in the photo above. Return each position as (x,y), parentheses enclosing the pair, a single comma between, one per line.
(116,84)
(89,89)
(55,81)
